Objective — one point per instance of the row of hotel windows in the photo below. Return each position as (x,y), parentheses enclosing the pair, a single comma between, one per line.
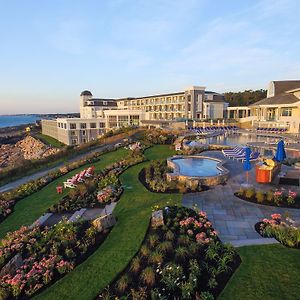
(153,100)
(81,125)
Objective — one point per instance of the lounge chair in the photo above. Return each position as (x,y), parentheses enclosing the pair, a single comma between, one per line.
(234,150)
(237,155)
(90,171)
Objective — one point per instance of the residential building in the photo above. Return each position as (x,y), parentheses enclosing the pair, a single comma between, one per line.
(281,108)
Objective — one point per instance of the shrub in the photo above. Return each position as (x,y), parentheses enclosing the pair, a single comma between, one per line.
(122,284)
(270,196)
(148,276)
(183,240)
(156,257)
(206,296)
(172,274)
(135,264)
(181,254)
(241,192)
(260,196)
(250,193)
(187,289)
(165,247)
(153,240)
(145,251)
(169,235)
(140,294)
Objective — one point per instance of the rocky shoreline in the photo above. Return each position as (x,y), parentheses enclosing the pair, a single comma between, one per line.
(28,148)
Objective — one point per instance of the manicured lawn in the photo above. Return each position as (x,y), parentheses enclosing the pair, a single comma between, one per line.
(49,140)
(32,207)
(266,272)
(133,213)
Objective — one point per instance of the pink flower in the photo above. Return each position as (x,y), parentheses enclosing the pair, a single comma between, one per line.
(276,216)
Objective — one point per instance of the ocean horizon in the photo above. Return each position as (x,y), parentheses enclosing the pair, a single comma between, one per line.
(18,119)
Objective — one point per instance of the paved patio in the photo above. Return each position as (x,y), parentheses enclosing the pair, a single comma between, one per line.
(232,217)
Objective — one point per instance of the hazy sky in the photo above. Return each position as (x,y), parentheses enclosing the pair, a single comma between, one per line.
(52,50)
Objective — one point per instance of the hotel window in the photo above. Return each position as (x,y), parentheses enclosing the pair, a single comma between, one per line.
(123,121)
(74,142)
(93,125)
(101,125)
(82,125)
(112,121)
(72,125)
(286,112)
(65,126)
(84,140)
(83,132)
(134,120)
(73,132)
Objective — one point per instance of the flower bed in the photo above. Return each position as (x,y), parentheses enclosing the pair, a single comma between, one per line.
(45,255)
(9,199)
(285,233)
(103,189)
(154,178)
(282,198)
(182,259)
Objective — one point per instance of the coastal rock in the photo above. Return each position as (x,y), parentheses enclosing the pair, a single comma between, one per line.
(29,148)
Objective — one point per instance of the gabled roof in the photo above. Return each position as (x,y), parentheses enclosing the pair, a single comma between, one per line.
(281,99)
(285,85)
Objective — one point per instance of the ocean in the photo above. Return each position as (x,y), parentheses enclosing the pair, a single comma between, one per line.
(15,120)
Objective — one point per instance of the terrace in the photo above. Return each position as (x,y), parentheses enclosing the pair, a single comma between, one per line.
(233,218)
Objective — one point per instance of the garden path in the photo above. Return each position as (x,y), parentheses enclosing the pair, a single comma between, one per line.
(232,217)
(14,184)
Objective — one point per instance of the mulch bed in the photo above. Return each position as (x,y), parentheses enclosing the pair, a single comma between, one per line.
(267,203)
(222,279)
(168,191)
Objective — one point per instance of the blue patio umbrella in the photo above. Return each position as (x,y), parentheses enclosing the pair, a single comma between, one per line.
(280,152)
(247,163)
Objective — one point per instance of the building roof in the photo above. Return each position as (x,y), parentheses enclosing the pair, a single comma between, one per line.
(285,85)
(86,93)
(216,98)
(281,99)
(151,96)
(102,102)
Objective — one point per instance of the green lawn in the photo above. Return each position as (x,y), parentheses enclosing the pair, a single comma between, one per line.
(49,140)
(266,272)
(32,207)
(133,213)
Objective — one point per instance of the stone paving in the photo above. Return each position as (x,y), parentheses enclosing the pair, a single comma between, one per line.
(232,217)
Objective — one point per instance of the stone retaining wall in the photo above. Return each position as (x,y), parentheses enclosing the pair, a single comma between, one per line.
(197,180)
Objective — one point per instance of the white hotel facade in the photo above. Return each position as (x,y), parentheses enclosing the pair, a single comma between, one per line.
(97,116)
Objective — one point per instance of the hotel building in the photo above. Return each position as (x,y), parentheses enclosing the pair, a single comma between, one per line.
(100,115)
(280,109)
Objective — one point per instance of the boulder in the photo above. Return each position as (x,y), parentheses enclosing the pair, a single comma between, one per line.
(104,222)
(157,218)
(10,268)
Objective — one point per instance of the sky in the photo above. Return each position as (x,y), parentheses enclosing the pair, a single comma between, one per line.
(52,50)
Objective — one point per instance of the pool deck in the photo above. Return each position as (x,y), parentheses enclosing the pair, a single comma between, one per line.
(232,217)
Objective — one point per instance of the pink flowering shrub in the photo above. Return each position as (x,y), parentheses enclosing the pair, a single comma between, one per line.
(284,233)
(291,197)
(199,228)
(45,253)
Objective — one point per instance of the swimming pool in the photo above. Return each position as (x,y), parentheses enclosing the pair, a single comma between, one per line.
(192,166)
(238,139)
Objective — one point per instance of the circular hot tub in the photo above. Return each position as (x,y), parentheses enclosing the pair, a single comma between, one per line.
(190,168)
